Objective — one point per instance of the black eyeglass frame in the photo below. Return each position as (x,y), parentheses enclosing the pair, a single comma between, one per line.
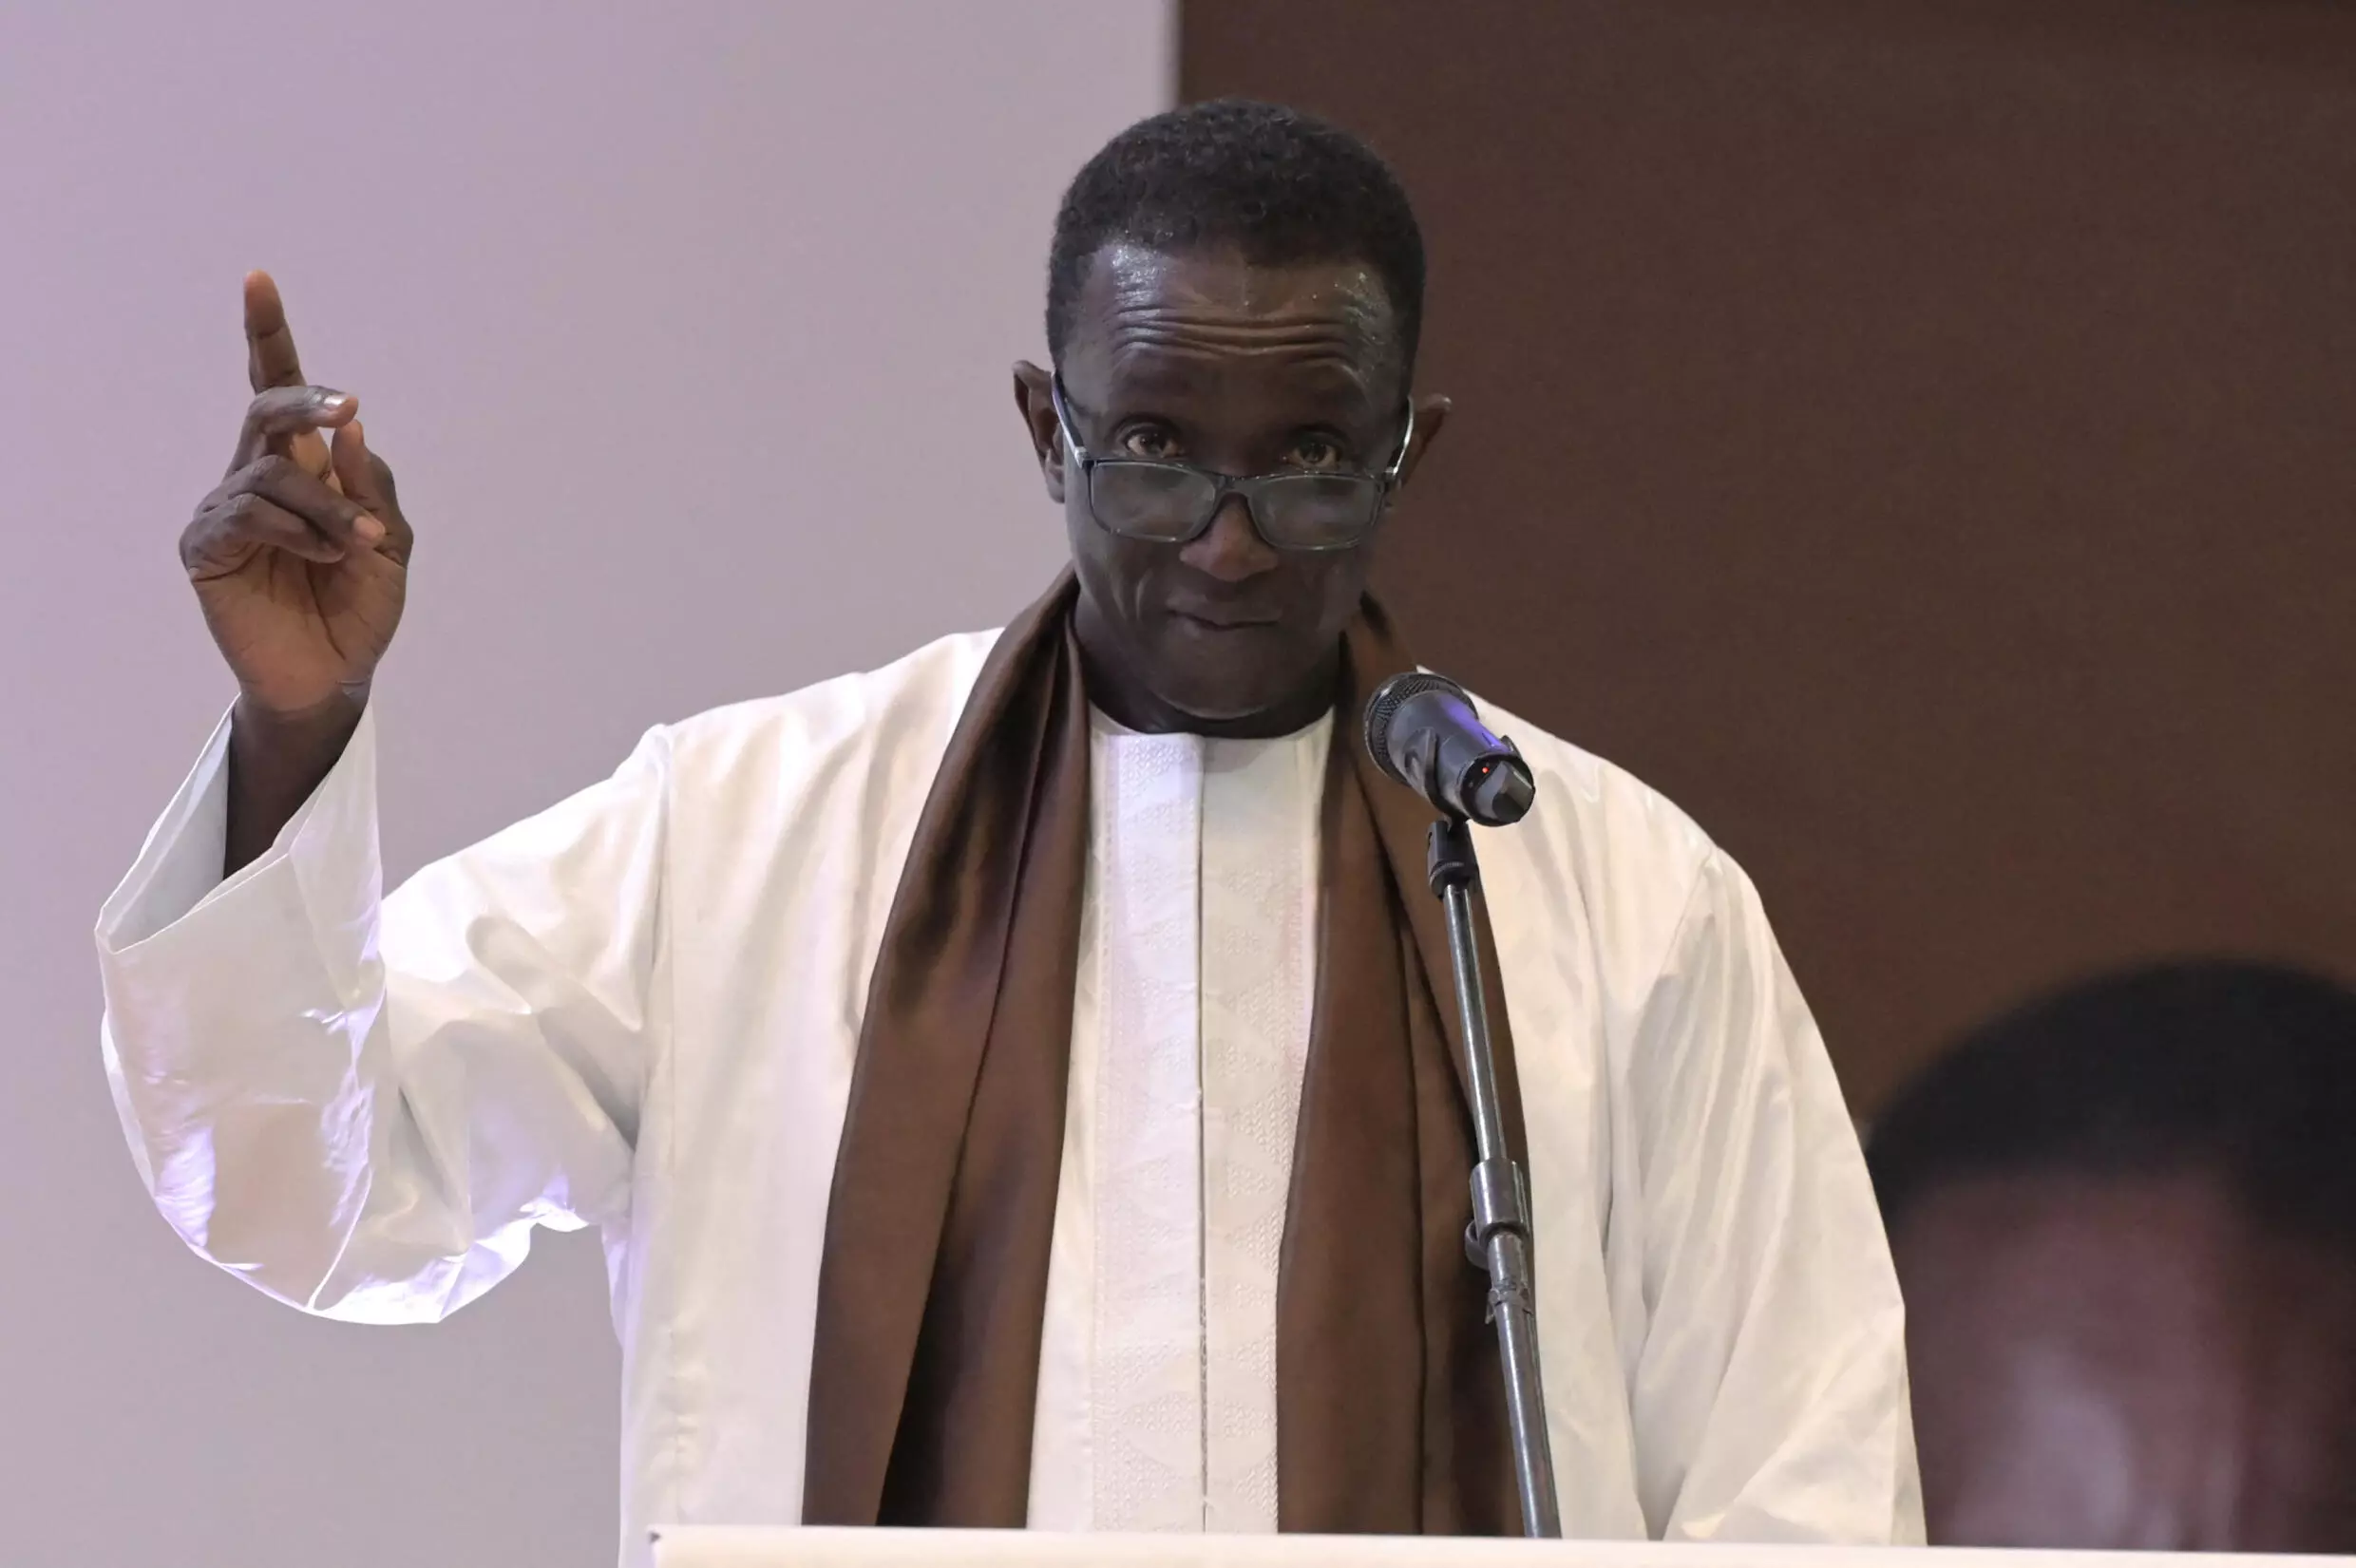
(1249,486)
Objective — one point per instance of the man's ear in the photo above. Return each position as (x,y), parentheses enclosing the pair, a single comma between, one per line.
(1035,396)
(1430,415)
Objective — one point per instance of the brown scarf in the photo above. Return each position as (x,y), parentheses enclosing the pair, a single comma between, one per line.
(932,1290)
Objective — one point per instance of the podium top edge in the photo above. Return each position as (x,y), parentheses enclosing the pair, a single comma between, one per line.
(709,1546)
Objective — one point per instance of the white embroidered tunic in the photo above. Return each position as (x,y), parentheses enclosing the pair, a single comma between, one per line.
(1190,1034)
(639,1010)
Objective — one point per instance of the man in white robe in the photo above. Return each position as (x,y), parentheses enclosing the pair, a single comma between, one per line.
(645,1009)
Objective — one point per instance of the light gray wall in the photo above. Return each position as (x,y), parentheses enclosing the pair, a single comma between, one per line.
(686,331)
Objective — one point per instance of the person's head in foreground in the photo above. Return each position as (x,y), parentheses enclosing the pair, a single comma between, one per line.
(2124,1220)
(1234,293)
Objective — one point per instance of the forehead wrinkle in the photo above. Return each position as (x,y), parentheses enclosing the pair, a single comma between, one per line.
(1230,280)
(1309,323)
(1308,341)
(1157,319)
(1226,303)
(1326,381)
(1142,342)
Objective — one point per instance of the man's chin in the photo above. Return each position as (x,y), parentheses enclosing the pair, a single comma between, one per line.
(1210,701)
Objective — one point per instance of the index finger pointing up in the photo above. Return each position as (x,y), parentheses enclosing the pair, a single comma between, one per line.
(268,344)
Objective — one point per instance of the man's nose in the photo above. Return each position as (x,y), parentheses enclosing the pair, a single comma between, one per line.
(1230,549)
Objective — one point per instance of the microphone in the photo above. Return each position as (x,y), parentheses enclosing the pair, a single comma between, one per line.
(1421,729)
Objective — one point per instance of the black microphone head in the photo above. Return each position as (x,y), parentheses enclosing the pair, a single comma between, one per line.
(1424,731)
(1502,792)
(1383,707)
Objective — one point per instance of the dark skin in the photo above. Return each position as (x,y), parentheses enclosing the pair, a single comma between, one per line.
(1245,370)
(300,558)
(300,563)
(2128,1363)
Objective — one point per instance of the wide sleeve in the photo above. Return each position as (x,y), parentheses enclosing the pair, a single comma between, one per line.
(1768,1382)
(362,1105)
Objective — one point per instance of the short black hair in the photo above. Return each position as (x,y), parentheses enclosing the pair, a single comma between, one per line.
(2244,1070)
(1272,183)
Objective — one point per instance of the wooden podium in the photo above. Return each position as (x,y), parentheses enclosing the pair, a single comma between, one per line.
(710,1547)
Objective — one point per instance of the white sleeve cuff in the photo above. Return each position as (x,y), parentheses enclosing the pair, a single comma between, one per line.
(332,838)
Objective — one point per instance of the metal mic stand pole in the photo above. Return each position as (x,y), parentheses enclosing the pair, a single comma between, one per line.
(1499,1237)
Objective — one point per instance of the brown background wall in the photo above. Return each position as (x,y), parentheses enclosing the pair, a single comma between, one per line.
(1919,438)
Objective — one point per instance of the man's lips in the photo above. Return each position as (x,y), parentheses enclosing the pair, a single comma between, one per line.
(1226,617)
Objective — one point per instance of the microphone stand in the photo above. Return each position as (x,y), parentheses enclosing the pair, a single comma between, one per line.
(1499,1237)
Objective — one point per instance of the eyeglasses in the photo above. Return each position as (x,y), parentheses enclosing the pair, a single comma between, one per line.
(1174,503)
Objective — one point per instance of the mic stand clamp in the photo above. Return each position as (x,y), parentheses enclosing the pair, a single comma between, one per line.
(1499,1237)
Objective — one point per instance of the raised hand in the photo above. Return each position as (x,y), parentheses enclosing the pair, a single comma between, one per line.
(300,558)
(300,561)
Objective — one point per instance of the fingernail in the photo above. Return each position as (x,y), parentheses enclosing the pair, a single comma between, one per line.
(332,401)
(367,529)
